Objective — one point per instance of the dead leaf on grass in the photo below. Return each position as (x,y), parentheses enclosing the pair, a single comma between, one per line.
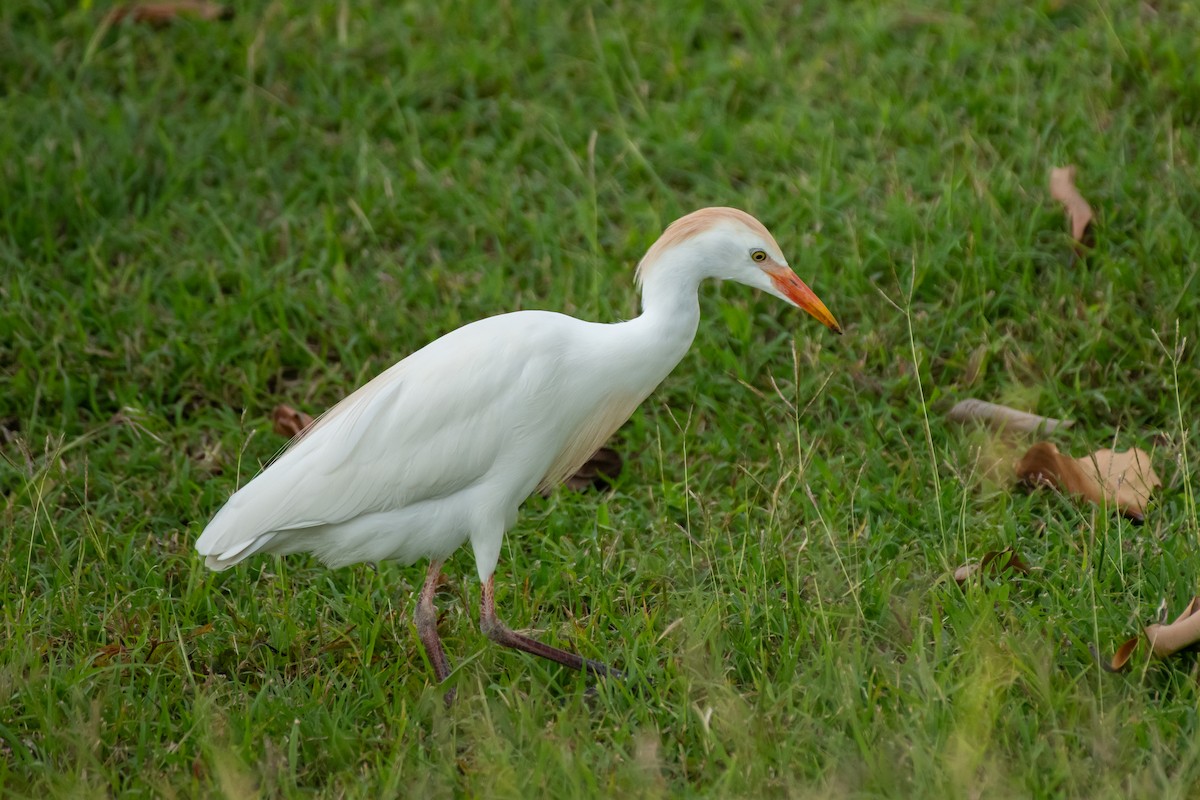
(1120,659)
(160,14)
(289,422)
(1004,418)
(1124,479)
(1165,638)
(1079,213)
(598,472)
(994,562)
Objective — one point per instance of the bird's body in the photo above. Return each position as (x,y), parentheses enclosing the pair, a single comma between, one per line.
(443,447)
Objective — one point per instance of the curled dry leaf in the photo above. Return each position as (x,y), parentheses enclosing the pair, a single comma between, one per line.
(994,562)
(1005,418)
(598,472)
(289,422)
(163,13)
(1169,638)
(1079,213)
(1120,659)
(1124,479)
(1165,639)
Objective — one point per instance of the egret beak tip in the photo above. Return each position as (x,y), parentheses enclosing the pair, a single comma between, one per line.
(798,293)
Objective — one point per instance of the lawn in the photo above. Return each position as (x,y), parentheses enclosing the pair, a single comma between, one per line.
(203,220)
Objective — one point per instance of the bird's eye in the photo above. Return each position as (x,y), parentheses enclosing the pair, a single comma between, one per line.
(758,255)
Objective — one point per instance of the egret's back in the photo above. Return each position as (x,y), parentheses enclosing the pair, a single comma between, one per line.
(477,417)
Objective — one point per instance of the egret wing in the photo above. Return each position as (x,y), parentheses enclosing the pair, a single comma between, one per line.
(429,426)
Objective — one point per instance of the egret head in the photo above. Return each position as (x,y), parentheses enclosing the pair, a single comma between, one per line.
(729,244)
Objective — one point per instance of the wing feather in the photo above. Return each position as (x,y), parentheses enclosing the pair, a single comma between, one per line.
(500,405)
(425,428)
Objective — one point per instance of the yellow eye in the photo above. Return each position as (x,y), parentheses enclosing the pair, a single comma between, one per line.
(758,255)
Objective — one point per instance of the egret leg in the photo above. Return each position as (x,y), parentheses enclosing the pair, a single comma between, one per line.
(425,618)
(498,632)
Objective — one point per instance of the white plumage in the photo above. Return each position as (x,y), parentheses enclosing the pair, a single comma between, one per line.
(443,447)
(444,443)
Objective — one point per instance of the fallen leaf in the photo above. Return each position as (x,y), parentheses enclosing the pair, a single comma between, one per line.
(167,12)
(598,472)
(1005,418)
(1079,213)
(994,562)
(1120,659)
(1169,638)
(1124,479)
(1165,639)
(288,421)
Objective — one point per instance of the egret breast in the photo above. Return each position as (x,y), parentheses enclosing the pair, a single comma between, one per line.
(587,437)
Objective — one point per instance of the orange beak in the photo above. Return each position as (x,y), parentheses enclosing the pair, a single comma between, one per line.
(796,291)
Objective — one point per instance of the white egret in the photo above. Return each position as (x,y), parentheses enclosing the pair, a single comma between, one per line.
(443,447)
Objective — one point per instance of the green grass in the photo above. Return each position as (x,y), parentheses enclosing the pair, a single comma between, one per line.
(199,222)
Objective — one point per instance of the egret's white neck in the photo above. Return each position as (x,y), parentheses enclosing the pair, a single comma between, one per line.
(670,287)
(670,306)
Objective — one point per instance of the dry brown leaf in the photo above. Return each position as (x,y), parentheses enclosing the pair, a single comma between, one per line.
(1079,213)
(994,562)
(1165,639)
(1125,479)
(1005,418)
(1120,659)
(598,472)
(167,12)
(1169,638)
(289,422)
